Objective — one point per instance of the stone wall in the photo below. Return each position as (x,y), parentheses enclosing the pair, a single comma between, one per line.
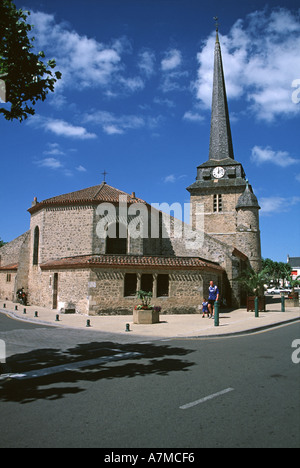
(7,285)
(64,232)
(13,253)
(9,253)
(186,291)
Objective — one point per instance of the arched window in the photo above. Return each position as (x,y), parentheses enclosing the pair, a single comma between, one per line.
(36,244)
(117,239)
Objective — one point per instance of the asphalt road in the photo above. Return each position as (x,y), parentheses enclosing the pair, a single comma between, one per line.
(178,394)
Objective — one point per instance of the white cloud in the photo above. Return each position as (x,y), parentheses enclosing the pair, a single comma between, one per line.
(132,84)
(172,60)
(173,78)
(83,61)
(50,163)
(61,128)
(147,62)
(277,205)
(261,61)
(53,150)
(171,179)
(117,125)
(267,155)
(81,169)
(193,117)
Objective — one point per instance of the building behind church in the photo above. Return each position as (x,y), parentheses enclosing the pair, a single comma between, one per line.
(91,250)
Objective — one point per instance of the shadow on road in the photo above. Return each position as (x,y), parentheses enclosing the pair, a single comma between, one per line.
(153,359)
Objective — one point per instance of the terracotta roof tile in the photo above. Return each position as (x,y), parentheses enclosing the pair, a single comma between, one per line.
(92,195)
(13,267)
(127,261)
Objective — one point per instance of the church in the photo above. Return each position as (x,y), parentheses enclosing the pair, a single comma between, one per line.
(91,250)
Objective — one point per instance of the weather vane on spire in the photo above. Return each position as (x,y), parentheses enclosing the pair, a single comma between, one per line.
(216,18)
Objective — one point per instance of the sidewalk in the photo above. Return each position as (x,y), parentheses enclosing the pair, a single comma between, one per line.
(171,326)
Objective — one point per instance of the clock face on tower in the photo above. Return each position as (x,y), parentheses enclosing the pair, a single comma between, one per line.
(218,172)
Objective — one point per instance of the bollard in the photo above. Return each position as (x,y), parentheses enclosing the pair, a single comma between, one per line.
(57,318)
(36,314)
(88,323)
(16,307)
(282,304)
(24,311)
(4,306)
(127,327)
(256,307)
(217,320)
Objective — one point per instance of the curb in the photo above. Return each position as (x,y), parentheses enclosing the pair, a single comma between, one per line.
(248,331)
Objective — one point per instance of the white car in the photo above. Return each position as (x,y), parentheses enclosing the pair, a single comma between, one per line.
(279,291)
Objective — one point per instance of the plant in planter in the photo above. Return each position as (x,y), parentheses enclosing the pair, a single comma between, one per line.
(254,284)
(293,299)
(145,313)
(145,298)
(293,284)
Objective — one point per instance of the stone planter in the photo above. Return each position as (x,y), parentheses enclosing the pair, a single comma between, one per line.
(145,317)
(292,302)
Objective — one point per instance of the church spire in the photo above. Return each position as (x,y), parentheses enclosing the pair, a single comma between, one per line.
(220,134)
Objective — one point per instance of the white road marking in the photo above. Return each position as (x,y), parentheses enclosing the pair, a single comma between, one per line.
(69,367)
(203,400)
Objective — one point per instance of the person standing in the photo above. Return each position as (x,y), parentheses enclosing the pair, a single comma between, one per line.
(214,295)
(205,308)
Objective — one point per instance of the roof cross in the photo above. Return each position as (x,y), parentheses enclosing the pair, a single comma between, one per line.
(104,175)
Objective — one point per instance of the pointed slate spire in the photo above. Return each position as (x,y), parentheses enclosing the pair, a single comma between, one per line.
(247,199)
(220,134)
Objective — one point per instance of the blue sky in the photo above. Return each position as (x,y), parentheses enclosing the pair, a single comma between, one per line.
(135,100)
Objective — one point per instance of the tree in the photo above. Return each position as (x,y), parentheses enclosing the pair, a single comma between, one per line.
(294,283)
(2,243)
(253,282)
(24,76)
(276,271)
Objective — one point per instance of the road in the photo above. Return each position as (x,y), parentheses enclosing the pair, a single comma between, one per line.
(113,393)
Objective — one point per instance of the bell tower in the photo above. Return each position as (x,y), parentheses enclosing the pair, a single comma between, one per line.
(221,180)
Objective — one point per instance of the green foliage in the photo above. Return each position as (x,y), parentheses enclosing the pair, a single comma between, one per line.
(253,282)
(27,78)
(294,282)
(2,243)
(145,297)
(276,271)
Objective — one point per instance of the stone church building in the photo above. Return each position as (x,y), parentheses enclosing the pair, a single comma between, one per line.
(91,250)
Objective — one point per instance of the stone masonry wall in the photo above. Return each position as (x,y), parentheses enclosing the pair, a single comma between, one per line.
(64,232)
(7,288)
(186,291)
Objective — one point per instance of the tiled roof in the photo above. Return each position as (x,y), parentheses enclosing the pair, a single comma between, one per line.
(13,267)
(129,261)
(294,262)
(92,195)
